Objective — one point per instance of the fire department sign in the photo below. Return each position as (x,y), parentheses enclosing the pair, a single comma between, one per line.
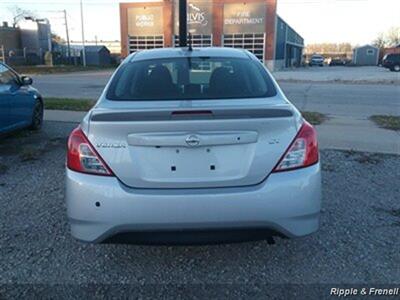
(244,18)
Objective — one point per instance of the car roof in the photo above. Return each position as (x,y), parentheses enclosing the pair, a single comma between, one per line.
(185,52)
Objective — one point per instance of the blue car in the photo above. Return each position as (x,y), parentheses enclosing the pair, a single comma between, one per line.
(21,106)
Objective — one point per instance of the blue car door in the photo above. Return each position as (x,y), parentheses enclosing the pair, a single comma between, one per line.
(5,100)
(21,101)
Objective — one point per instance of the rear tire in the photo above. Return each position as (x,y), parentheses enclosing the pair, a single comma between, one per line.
(37,116)
(396,68)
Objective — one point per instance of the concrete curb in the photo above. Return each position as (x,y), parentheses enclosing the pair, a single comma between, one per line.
(64,116)
(357,134)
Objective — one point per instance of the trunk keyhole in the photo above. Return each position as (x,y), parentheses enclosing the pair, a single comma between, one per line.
(173,168)
(212,167)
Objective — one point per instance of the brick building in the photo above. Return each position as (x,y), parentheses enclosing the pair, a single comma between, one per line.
(249,24)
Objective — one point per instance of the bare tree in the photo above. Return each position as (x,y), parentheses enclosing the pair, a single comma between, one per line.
(328,48)
(20,14)
(380,41)
(389,39)
(57,39)
(393,36)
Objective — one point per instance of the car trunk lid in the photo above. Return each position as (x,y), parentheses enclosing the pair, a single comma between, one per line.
(181,147)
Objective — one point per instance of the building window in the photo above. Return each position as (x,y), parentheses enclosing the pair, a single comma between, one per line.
(370,52)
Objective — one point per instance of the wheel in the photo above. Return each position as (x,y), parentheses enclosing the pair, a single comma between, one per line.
(396,68)
(37,117)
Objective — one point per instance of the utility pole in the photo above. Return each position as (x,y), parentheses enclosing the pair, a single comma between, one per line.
(49,41)
(182,23)
(67,32)
(83,37)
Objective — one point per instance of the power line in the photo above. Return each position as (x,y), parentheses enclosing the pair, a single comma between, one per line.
(83,36)
(96,2)
(67,34)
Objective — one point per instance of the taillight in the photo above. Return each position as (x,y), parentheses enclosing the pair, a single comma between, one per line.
(82,157)
(303,151)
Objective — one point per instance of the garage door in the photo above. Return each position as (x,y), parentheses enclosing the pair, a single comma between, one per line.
(198,40)
(145,42)
(254,42)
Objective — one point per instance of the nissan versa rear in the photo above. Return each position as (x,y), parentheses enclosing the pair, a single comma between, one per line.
(192,146)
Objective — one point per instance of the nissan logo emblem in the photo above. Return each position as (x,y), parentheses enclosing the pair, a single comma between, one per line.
(192,140)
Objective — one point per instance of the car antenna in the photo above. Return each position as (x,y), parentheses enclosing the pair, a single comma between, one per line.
(190,48)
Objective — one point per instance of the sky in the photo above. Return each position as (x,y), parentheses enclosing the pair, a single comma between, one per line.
(318,21)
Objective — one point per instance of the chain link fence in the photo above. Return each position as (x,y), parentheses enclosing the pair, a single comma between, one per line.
(31,57)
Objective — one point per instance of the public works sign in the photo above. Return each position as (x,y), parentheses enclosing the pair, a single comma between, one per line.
(145,20)
(244,18)
(199,17)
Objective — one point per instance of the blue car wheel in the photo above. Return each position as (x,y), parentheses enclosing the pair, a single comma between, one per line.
(37,116)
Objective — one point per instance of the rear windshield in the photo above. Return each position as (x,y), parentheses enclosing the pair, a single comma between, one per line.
(191,78)
(392,56)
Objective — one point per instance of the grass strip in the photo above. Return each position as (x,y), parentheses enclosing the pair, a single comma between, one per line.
(314,118)
(387,122)
(68,104)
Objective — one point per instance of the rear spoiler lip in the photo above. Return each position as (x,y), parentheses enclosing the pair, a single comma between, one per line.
(172,115)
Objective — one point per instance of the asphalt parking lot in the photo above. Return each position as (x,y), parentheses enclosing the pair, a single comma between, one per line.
(340,74)
(357,244)
(301,86)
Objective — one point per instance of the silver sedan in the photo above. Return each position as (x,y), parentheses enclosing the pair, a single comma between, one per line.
(192,146)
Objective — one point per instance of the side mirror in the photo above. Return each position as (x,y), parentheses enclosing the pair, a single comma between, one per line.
(26,80)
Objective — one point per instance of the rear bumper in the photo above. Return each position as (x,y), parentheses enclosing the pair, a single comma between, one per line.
(101,208)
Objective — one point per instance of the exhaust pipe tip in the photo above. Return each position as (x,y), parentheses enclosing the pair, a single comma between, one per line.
(270,240)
